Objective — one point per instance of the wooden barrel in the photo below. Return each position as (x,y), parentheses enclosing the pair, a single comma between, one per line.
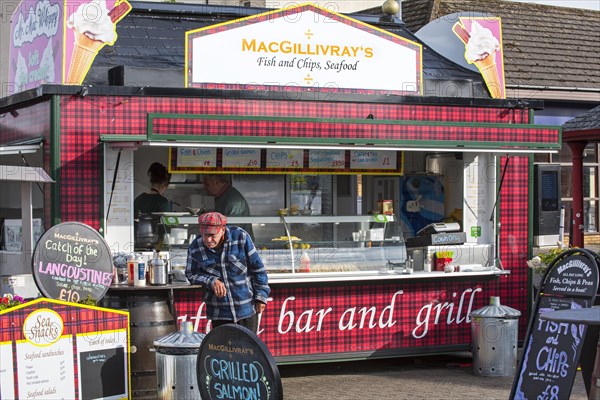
(150,318)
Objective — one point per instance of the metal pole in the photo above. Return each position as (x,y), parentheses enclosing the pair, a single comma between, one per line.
(561,226)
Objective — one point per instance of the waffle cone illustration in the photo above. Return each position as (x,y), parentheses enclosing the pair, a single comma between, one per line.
(487,67)
(84,52)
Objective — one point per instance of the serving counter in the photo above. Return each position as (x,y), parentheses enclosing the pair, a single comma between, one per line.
(361,296)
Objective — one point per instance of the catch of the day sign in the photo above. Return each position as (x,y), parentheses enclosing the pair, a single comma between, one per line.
(72,261)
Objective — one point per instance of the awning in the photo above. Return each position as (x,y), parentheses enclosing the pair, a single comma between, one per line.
(24,174)
(135,144)
(22,147)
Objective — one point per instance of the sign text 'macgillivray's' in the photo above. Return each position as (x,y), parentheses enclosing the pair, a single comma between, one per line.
(289,47)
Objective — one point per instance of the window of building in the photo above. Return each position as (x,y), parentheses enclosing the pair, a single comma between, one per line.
(591,198)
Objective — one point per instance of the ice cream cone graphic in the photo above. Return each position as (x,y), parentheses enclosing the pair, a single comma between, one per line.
(84,52)
(93,26)
(481,47)
(489,71)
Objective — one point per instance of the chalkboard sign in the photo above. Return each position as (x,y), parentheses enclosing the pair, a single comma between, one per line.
(233,363)
(71,261)
(552,349)
(109,365)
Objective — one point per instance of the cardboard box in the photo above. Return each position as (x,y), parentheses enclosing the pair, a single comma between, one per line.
(12,232)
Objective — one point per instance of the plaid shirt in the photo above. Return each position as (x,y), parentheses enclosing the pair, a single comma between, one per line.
(238,266)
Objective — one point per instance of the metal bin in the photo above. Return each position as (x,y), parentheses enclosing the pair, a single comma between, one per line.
(176,356)
(494,334)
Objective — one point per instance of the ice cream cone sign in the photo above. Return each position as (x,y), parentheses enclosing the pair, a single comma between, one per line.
(482,37)
(89,28)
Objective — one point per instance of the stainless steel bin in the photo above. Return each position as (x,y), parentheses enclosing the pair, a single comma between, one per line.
(494,334)
(176,356)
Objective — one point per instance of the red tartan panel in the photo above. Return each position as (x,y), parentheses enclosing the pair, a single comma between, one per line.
(127,115)
(352,131)
(337,319)
(514,224)
(77,319)
(25,123)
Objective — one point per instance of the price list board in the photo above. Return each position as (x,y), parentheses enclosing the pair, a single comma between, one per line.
(57,350)
(552,349)
(285,161)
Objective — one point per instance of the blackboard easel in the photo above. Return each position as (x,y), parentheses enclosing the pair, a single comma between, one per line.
(551,350)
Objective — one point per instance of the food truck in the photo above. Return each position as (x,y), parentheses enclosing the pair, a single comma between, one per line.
(384,215)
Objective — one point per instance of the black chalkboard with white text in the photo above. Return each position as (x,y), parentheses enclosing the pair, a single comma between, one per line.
(551,350)
(233,363)
(71,262)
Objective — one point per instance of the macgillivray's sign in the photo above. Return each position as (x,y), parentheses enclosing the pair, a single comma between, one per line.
(302,47)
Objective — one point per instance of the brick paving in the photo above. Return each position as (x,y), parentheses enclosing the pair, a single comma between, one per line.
(446,377)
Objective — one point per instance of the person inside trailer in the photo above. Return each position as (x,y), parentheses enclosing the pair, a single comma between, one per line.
(154,200)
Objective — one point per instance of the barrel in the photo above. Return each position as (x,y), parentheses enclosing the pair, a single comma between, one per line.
(150,318)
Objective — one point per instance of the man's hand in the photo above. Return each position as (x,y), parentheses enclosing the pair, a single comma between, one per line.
(259,307)
(219,288)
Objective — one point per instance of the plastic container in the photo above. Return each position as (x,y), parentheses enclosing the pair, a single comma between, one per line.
(140,272)
(304,262)
(427,263)
(131,270)
(494,332)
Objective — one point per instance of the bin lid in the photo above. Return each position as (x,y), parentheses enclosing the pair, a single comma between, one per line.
(185,339)
(495,310)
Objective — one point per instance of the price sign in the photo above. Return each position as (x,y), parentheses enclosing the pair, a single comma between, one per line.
(72,261)
(327,159)
(241,158)
(552,350)
(373,159)
(285,158)
(196,157)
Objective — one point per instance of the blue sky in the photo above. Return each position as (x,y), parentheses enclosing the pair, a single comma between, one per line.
(589,4)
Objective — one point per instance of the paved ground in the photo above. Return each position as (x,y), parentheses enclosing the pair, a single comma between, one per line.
(413,378)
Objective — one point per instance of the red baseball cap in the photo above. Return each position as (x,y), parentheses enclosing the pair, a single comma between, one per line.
(211,223)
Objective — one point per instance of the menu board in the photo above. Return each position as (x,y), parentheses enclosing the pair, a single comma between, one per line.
(373,159)
(63,351)
(196,157)
(72,261)
(233,363)
(38,381)
(285,158)
(241,158)
(552,349)
(327,159)
(102,354)
(118,198)
(7,381)
(285,161)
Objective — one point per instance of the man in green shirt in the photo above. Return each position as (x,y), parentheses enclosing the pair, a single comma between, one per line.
(228,200)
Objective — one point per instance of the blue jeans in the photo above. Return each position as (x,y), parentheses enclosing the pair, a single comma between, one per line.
(250,323)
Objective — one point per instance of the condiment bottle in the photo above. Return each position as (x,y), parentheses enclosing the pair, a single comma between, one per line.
(131,270)
(427,263)
(140,272)
(304,262)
